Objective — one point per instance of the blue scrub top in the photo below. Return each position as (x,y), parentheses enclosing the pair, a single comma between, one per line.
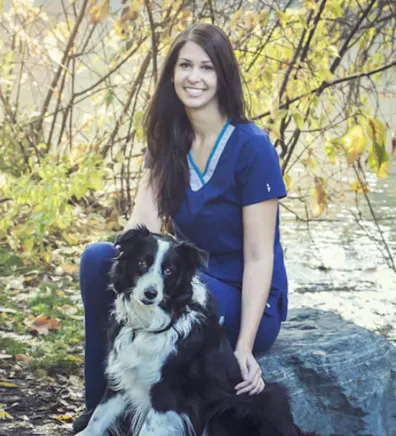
(242,169)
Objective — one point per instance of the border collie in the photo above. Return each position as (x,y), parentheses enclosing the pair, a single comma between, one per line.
(171,370)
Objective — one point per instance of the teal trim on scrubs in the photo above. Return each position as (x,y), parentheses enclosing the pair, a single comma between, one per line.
(216,145)
(191,160)
(195,168)
(198,179)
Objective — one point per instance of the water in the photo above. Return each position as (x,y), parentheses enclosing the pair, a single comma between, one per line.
(336,253)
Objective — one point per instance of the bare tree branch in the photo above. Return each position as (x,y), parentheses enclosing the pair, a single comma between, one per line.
(139,78)
(154,46)
(326,85)
(60,68)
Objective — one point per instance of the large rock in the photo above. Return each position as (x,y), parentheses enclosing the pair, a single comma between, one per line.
(341,377)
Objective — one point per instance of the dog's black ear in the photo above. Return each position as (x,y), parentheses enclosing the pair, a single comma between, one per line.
(130,235)
(194,256)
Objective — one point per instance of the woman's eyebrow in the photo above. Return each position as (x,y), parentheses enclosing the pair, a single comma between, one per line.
(189,60)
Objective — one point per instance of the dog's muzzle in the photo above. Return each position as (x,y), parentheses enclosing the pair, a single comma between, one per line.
(149,295)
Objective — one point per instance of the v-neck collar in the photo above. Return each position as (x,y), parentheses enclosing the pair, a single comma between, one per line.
(199,179)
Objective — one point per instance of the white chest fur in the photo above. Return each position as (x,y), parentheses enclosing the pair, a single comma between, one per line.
(136,360)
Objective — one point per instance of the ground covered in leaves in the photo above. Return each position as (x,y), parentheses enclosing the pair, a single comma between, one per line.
(42,330)
(41,350)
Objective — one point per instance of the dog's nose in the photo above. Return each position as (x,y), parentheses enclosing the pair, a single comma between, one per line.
(150,293)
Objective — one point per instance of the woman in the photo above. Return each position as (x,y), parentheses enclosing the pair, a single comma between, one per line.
(216,176)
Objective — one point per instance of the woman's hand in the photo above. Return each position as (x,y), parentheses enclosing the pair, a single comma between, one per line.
(253,382)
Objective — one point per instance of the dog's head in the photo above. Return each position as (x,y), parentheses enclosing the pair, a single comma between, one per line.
(152,276)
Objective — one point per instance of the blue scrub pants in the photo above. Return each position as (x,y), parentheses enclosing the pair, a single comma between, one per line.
(97,299)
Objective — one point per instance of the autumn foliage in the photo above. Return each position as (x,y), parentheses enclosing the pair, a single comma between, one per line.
(74,85)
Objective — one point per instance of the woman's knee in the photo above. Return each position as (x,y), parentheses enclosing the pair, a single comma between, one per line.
(95,264)
(97,257)
(267,332)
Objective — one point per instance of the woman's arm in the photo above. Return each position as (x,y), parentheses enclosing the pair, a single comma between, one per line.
(145,209)
(259,222)
(258,232)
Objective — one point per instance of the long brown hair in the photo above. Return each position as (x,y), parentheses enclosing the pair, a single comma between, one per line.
(167,129)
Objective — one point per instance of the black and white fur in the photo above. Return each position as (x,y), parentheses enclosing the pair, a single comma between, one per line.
(171,370)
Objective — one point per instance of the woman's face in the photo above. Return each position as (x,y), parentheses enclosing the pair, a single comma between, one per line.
(195,78)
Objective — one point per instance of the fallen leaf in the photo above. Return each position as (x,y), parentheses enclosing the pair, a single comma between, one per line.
(69,269)
(41,324)
(6,310)
(23,358)
(67,309)
(64,418)
(5,415)
(5,356)
(15,284)
(8,385)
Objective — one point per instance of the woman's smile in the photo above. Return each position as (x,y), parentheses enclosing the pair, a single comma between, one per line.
(194,92)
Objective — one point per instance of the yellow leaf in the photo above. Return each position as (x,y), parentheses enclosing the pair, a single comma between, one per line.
(185,14)
(275,131)
(119,28)
(71,238)
(355,142)
(298,118)
(318,198)
(282,17)
(99,12)
(64,418)
(70,268)
(133,14)
(5,415)
(333,50)
(325,74)
(95,181)
(288,181)
(312,164)
(383,170)
(8,385)
(310,4)
(185,17)
(250,19)
(264,18)
(376,130)
(331,153)
(236,16)
(67,309)
(27,246)
(378,160)
(335,8)
(46,256)
(74,358)
(359,186)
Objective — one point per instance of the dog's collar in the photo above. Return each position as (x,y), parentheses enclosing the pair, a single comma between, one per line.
(168,327)
(155,332)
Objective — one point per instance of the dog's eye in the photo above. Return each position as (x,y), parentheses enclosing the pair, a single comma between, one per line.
(167,272)
(142,264)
